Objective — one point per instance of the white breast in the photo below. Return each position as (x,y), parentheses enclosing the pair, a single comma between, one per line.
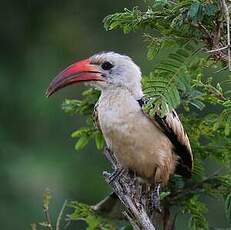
(138,144)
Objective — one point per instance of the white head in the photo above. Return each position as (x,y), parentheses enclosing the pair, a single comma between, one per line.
(105,71)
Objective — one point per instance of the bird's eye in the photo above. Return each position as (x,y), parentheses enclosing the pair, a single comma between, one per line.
(106,65)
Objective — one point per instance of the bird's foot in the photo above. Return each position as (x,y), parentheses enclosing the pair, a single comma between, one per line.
(112,177)
(155,198)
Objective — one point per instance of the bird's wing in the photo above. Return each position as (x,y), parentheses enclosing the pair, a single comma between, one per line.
(173,129)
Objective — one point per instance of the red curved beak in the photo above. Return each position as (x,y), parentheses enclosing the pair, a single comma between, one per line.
(77,72)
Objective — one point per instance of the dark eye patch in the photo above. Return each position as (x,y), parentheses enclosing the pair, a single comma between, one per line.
(106,65)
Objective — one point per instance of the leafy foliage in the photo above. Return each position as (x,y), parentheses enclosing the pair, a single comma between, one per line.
(85,107)
(82,107)
(228,207)
(197,210)
(216,95)
(94,221)
(174,19)
(184,77)
(79,211)
(170,78)
(47,223)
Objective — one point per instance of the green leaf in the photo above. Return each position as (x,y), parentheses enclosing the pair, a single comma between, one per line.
(170,80)
(228,207)
(99,140)
(195,12)
(71,106)
(210,9)
(153,50)
(198,168)
(77,133)
(81,143)
(85,213)
(198,104)
(197,211)
(164,195)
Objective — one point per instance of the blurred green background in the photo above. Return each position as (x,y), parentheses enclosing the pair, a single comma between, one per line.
(38,39)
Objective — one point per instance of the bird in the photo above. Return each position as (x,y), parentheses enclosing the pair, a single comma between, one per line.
(154,147)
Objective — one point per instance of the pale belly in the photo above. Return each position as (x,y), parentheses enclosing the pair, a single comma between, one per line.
(137,143)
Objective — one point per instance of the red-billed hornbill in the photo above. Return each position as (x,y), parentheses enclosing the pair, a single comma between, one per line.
(153,147)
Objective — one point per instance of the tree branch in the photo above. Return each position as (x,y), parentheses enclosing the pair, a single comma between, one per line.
(227,18)
(130,193)
(216,38)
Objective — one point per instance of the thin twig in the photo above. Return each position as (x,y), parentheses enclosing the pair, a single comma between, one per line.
(48,219)
(222,69)
(60,216)
(203,30)
(216,50)
(46,202)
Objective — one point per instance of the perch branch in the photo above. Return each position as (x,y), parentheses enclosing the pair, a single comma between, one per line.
(131,195)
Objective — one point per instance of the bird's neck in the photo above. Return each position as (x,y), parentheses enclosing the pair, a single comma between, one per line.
(117,101)
(135,91)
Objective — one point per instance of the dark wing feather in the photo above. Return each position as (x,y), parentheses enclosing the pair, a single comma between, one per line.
(173,129)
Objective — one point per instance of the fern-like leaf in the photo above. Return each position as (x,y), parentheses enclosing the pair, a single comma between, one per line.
(163,85)
(84,212)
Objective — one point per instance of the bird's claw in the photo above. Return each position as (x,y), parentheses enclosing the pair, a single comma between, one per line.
(106,174)
(155,199)
(111,177)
